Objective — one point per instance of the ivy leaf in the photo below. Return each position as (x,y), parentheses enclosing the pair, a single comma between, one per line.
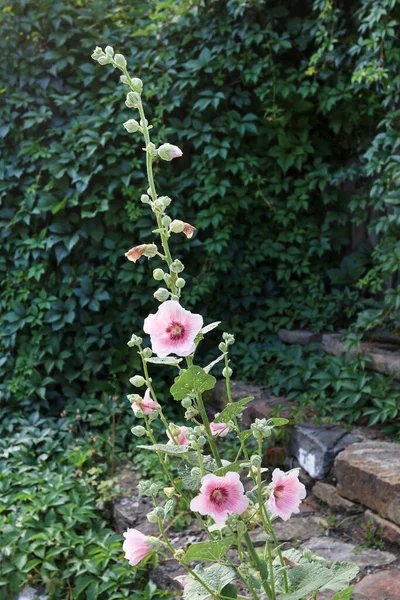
(232,410)
(208,551)
(194,381)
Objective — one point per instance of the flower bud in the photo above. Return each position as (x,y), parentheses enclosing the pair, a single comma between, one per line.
(169,491)
(109,51)
(166,221)
(134,341)
(120,61)
(255,460)
(167,278)
(152,517)
(158,274)
(139,431)
(180,555)
(177,226)
(147,352)
(104,60)
(186,403)
(131,126)
(145,199)
(229,338)
(154,543)
(137,85)
(190,413)
(134,398)
(180,283)
(201,441)
(151,250)
(124,79)
(132,100)
(176,266)
(137,381)
(161,294)
(166,201)
(222,347)
(97,52)
(169,151)
(158,206)
(174,298)
(224,372)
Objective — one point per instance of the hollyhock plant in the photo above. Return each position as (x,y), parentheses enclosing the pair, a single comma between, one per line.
(173,329)
(136,546)
(146,405)
(220,497)
(287,493)
(195,476)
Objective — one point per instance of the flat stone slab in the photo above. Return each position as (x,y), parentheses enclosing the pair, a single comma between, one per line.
(369,473)
(329,495)
(298,336)
(333,550)
(384,585)
(298,528)
(316,447)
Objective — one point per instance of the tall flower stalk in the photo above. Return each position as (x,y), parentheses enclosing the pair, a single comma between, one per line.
(212,488)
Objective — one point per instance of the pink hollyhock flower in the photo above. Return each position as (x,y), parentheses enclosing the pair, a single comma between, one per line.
(136,546)
(219,429)
(169,151)
(220,497)
(173,329)
(287,493)
(147,405)
(180,437)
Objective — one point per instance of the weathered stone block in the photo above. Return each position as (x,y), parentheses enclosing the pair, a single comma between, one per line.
(369,473)
(384,585)
(389,531)
(316,447)
(329,495)
(333,550)
(298,336)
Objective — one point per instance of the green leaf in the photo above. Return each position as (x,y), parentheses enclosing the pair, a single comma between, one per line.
(278,422)
(310,577)
(229,591)
(215,577)
(208,551)
(194,381)
(231,467)
(167,449)
(344,594)
(232,410)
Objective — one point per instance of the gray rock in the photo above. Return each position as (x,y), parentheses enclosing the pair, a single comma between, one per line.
(329,495)
(315,448)
(298,336)
(131,509)
(298,528)
(32,593)
(333,550)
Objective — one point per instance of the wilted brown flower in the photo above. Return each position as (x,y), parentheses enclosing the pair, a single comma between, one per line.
(135,253)
(188,230)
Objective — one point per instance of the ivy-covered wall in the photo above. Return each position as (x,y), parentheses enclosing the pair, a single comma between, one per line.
(286,113)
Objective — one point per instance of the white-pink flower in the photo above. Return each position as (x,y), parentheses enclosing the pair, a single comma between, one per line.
(136,546)
(169,151)
(219,429)
(147,405)
(179,439)
(173,329)
(287,493)
(220,497)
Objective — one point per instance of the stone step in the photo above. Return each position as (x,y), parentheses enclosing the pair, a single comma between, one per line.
(384,585)
(369,473)
(334,550)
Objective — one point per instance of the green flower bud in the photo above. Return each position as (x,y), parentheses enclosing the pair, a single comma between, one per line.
(167,278)
(139,431)
(135,341)
(177,226)
(97,52)
(174,298)
(154,543)
(169,151)
(158,274)
(229,338)
(224,372)
(179,555)
(132,100)
(120,61)
(109,51)
(158,206)
(131,126)
(133,397)
(222,347)
(147,352)
(176,266)
(151,250)
(137,85)
(152,517)
(166,200)
(124,79)
(104,60)
(180,283)
(186,403)
(145,199)
(137,381)
(190,413)
(166,220)
(201,441)
(161,294)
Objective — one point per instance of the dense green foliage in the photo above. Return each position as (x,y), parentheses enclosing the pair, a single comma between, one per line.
(286,114)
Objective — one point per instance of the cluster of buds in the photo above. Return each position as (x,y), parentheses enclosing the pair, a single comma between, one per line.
(148,488)
(229,339)
(191,409)
(135,341)
(261,429)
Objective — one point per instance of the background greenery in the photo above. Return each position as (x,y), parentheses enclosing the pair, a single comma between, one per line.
(287,113)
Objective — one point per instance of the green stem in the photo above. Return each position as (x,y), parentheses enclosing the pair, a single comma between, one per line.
(206,423)
(256,560)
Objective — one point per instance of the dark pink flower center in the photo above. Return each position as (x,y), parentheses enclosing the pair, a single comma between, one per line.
(219,495)
(176,331)
(279,491)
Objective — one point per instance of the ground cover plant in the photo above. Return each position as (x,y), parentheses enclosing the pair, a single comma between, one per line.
(210,485)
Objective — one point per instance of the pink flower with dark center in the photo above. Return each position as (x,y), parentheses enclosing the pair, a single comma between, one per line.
(219,429)
(287,493)
(220,497)
(147,405)
(136,546)
(179,439)
(173,329)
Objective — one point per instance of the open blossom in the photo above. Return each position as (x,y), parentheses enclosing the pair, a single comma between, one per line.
(220,497)
(147,405)
(173,329)
(179,438)
(287,493)
(169,151)
(136,546)
(219,429)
